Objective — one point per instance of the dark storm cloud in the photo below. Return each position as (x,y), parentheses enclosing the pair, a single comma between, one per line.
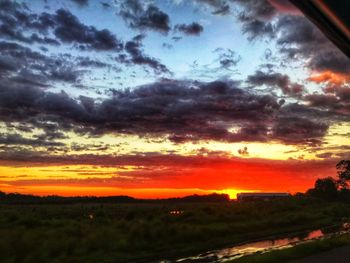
(142,159)
(336,100)
(143,16)
(17,51)
(297,38)
(259,9)
(7,64)
(69,29)
(332,60)
(305,111)
(25,77)
(134,49)
(324,155)
(43,40)
(255,18)
(299,130)
(255,28)
(322,100)
(178,110)
(304,124)
(8,6)
(81,2)
(192,113)
(34,68)
(190,29)
(22,65)
(64,73)
(276,79)
(18,24)
(17,139)
(51,133)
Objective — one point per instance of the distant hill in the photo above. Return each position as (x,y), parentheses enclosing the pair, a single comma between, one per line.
(16,198)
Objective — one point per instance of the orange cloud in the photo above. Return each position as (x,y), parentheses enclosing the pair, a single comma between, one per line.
(330,77)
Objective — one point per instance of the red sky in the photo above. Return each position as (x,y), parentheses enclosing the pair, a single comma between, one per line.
(212,96)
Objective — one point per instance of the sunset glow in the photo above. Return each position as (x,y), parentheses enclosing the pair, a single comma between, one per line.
(158,99)
(330,77)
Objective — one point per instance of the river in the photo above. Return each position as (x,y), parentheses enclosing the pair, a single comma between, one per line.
(262,246)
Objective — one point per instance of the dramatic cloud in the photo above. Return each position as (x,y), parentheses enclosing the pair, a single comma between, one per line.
(14,20)
(69,29)
(330,78)
(81,2)
(17,139)
(335,100)
(34,68)
(256,28)
(7,64)
(180,111)
(299,130)
(259,9)
(80,91)
(22,65)
(133,48)
(190,29)
(21,25)
(299,39)
(18,24)
(255,18)
(278,80)
(296,37)
(144,16)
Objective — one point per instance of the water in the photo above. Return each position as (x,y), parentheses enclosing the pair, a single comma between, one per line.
(225,254)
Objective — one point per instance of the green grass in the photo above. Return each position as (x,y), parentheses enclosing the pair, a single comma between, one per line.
(296,252)
(128,232)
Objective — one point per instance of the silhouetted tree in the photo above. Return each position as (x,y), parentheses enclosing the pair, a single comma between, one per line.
(325,188)
(343,170)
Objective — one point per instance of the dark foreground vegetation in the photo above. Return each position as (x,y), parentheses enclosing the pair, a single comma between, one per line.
(130,232)
(123,229)
(298,251)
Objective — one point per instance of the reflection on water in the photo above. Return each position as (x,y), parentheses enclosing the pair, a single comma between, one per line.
(226,254)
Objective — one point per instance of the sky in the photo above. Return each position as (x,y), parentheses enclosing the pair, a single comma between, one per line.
(156,99)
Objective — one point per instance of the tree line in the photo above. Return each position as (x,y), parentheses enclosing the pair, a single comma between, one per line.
(333,188)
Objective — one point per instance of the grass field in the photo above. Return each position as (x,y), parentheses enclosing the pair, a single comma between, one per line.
(129,232)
